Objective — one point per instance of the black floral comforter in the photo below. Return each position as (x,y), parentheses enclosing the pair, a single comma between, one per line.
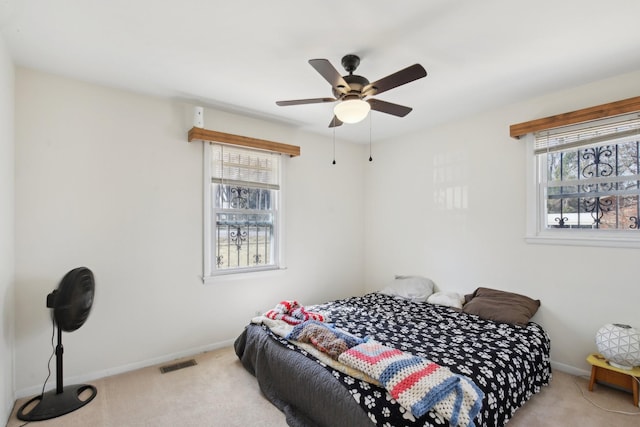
(508,363)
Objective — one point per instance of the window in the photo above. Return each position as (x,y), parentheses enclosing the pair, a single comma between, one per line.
(587,182)
(242,198)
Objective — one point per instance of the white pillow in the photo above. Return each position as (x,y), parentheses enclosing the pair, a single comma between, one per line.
(413,288)
(450,299)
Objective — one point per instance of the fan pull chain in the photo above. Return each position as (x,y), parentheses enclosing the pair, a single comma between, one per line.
(334,140)
(370,119)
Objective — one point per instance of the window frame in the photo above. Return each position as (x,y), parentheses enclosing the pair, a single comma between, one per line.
(537,233)
(210,273)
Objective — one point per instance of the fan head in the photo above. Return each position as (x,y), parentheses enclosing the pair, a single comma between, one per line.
(72,301)
(356,84)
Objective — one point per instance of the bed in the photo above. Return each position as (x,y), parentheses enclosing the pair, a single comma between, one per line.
(507,361)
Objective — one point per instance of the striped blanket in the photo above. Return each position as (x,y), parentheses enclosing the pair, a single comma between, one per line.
(416,383)
(292,313)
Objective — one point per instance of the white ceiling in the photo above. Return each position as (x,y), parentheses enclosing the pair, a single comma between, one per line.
(243,55)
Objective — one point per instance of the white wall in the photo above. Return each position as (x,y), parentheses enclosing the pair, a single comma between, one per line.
(449,203)
(7,241)
(106,179)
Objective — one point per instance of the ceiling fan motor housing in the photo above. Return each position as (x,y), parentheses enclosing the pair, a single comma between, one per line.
(356,83)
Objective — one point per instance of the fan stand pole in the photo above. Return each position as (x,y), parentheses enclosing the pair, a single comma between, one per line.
(60,401)
(59,351)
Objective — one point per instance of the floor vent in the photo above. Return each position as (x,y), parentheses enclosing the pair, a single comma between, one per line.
(176,366)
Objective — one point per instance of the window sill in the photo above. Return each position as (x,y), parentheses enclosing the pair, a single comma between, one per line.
(244,275)
(551,238)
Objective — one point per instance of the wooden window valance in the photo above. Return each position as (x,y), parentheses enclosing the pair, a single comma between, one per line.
(200,134)
(586,114)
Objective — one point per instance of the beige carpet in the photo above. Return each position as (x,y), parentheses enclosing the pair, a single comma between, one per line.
(219,392)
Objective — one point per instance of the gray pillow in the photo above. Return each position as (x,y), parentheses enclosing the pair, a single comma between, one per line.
(413,288)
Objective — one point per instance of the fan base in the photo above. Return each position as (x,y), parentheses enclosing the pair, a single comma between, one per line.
(350,62)
(53,404)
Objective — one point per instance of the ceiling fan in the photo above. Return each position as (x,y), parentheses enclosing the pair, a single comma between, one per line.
(354,92)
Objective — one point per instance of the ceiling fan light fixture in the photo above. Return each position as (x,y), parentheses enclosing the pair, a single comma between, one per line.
(352,110)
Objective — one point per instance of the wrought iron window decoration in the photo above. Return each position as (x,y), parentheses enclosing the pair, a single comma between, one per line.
(239,197)
(240,230)
(594,162)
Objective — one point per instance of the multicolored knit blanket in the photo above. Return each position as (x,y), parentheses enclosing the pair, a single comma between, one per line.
(324,337)
(292,313)
(416,383)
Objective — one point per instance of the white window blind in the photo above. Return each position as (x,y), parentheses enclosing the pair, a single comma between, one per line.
(233,166)
(612,130)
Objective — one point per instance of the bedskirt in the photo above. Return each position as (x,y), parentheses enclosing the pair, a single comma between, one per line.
(303,390)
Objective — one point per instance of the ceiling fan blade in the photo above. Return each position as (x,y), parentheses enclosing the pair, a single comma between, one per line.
(330,74)
(335,122)
(409,74)
(305,101)
(389,108)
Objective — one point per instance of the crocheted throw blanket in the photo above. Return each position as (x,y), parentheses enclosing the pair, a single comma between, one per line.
(292,313)
(324,337)
(416,383)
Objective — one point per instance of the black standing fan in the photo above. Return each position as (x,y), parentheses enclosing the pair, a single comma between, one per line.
(71,304)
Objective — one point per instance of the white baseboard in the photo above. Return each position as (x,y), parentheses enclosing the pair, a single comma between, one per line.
(178,355)
(569,369)
(79,379)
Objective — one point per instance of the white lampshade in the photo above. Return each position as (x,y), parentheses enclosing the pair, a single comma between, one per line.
(352,110)
(620,345)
